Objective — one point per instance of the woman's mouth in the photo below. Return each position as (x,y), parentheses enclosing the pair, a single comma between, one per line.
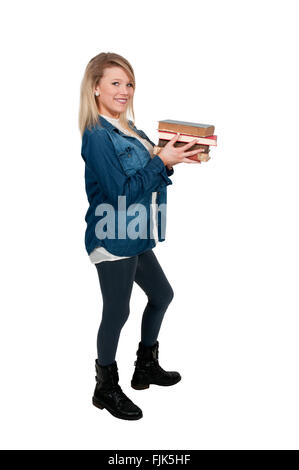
(121,101)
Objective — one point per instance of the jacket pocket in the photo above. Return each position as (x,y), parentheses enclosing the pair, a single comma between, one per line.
(129,160)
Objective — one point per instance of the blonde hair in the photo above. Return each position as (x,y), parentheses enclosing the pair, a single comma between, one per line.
(88,111)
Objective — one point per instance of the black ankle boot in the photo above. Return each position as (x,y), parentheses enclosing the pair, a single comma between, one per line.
(148,371)
(108,394)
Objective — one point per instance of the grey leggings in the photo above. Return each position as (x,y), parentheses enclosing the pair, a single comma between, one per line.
(116,281)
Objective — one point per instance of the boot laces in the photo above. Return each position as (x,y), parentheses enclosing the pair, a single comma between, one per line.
(119,394)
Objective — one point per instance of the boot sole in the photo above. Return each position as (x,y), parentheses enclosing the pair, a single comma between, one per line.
(145,386)
(101,407)
(139,387)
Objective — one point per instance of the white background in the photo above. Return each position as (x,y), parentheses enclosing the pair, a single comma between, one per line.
(231,249)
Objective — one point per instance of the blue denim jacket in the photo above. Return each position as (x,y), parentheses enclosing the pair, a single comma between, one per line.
(117,164)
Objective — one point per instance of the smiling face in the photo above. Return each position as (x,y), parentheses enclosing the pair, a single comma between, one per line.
(115,85)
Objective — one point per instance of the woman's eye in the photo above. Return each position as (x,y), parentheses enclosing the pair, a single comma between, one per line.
(118,82)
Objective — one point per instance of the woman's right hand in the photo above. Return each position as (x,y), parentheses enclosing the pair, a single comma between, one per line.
(172,155)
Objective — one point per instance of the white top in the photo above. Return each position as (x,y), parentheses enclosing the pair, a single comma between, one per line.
(100,254)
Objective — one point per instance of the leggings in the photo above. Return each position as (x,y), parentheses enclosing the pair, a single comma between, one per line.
(116,282)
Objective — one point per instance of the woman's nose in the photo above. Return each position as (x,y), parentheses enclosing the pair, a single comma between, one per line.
(123,89)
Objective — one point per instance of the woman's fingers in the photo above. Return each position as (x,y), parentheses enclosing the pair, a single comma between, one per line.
(187,160)
(190,144)
(193,152)
(175,137)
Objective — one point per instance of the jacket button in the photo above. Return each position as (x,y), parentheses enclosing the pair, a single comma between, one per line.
(129,154)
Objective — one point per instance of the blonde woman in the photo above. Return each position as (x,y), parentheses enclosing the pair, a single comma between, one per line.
(126,184)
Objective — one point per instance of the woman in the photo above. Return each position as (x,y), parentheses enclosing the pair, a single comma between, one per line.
(125,174)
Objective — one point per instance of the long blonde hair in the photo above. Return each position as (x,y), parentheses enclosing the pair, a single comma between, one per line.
(88,111)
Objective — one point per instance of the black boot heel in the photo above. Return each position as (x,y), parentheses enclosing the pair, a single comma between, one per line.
(97,404)
(139,387)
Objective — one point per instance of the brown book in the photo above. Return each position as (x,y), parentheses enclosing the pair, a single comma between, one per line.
(191,128)
(202,156)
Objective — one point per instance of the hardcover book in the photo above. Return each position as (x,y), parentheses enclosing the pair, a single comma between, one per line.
(192,128)
(202,156)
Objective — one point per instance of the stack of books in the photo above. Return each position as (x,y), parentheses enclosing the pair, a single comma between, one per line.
(204,133)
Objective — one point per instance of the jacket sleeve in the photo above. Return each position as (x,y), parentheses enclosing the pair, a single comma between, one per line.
(99,154)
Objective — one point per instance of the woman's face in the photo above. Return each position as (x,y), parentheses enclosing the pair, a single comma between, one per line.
(113,86)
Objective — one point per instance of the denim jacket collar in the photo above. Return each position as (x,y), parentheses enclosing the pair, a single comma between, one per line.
(110,127)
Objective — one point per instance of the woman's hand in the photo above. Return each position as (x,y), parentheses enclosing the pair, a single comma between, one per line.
(172,155)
